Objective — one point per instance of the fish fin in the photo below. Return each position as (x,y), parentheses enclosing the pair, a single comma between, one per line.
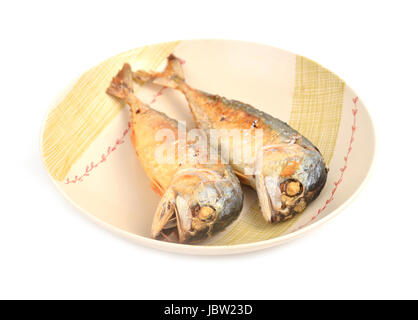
(243,178)
(157,188)
(263,198)
(171,77)
(122,85)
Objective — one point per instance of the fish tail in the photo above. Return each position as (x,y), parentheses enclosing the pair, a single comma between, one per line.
(171,77)
(122,85)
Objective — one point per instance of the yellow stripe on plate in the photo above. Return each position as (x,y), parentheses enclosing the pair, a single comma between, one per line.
(316,113)
(317,105)
(86,110)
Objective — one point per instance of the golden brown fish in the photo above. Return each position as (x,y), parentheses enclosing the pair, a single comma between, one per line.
(292,172)
(198,200)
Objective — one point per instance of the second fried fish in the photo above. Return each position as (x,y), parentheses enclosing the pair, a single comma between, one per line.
(292,172)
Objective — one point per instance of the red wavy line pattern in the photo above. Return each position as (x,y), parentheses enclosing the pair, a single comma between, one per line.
(343,168)
(109,151)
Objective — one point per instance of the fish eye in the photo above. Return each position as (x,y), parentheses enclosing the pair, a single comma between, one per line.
(206,213)
(291,187)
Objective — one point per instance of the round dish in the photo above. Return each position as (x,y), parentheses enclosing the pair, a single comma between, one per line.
(87,152)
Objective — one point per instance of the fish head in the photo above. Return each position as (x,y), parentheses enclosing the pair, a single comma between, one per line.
(198,203)
(290,176)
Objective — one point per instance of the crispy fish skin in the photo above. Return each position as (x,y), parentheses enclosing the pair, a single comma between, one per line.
(293,171)
(198,200)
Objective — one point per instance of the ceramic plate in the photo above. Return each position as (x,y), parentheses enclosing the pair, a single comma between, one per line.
(88,154)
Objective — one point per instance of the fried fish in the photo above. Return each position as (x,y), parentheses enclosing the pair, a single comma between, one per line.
(198,199)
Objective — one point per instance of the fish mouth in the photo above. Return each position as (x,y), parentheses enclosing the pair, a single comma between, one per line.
(176,221)
(164,224)
(167,224)
(280,199)
(199,203)
(291,176)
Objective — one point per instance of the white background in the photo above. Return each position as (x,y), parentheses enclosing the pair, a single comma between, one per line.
(50,250)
